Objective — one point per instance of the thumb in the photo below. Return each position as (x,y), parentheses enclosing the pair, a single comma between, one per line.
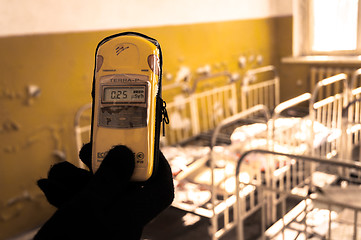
(117,167)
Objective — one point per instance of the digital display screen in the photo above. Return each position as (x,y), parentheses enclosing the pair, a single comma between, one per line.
(132,94)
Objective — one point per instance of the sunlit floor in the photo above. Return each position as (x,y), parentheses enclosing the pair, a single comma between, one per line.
(175,224)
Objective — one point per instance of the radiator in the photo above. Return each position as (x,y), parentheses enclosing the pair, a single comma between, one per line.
(319,73)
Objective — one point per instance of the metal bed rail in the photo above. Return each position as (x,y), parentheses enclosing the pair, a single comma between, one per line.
(223,195)
(351,132)
(352,119)
(290,135)
(82,130)
(216,105)
(200,112)
(184,122)
(286,135)
(326,108)
(265,92)
(351,127)
(229,78)
(355,77)
(310,198)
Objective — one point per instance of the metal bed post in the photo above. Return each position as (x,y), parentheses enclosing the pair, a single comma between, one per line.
(354,111)
(282,140)
(320,111)
(216,234)
(351,124)
(194,114)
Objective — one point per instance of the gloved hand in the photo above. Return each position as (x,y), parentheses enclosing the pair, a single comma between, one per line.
(104,205)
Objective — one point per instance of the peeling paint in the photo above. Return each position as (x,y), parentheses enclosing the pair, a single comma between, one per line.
(36,137)
(11,212)
(10,94)
(168,76)
(60,155)
(25,195)
(31,92)
(242,61)
(9,126)
(14,206)
(183,74)
(205,70)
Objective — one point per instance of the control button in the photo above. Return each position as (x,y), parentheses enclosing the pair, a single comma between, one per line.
(153,62)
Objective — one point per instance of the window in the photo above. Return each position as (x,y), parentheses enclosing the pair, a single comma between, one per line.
(331,27)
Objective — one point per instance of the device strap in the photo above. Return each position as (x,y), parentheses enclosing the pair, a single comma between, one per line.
(165,118)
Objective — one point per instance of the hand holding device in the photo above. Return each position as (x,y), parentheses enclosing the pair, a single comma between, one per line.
(122,191)
(104,205)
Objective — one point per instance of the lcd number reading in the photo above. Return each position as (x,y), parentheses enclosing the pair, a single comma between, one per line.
(118,95)
(123,95)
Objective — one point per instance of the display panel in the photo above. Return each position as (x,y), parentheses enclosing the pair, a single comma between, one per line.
(132,94)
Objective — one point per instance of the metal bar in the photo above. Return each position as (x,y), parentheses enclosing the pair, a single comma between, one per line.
(354,78)
(289,103)
(234,98)
(329,221)
(242,206)
(269,68)
(327,81)
(80,130)
(209,110)
(210,76)
(258,108)
(277,90)
(225,102)
(204,114)
(283,215)
(355,225)
(193,104)
(280,108)
(247,87)
(337,162)
(329,122)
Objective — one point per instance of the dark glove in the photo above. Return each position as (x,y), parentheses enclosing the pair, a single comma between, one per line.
(104,205)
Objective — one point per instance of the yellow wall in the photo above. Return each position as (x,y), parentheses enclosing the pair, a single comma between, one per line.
(36,131)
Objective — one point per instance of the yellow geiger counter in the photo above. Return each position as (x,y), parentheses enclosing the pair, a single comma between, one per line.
(127,104)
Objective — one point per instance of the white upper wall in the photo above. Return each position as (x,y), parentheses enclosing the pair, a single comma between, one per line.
(19,17)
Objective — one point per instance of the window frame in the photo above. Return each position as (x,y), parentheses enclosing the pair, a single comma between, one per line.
(303,32)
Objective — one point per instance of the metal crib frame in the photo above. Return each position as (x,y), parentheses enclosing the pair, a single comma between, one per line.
(328,111)
(201,108)
(223,208)
(285,137)
(351,125)
(201,111)
(81,129)
(304,198)
(259,92)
